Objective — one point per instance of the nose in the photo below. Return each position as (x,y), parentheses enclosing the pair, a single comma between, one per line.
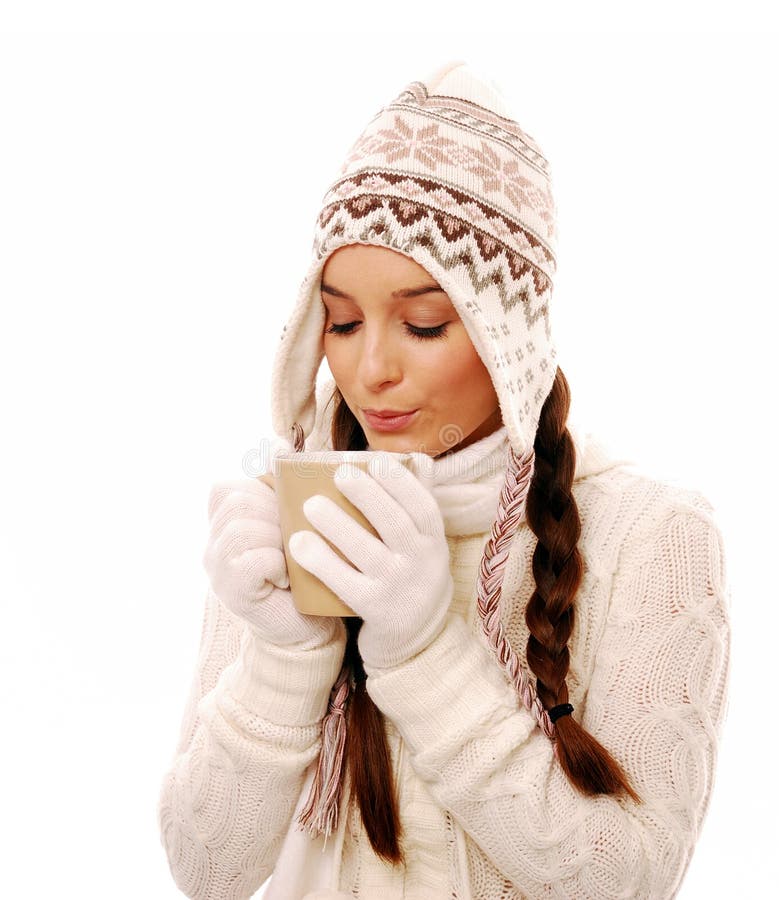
(379,360)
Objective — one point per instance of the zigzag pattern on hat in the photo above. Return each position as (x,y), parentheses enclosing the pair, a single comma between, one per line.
(451,241)
(456,207)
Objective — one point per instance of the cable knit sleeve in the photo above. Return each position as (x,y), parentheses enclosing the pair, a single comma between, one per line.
(656,698)
(251,728)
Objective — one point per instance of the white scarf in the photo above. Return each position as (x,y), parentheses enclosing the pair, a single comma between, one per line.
(466,483)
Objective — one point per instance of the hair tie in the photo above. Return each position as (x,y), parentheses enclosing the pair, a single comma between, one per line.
(562,709)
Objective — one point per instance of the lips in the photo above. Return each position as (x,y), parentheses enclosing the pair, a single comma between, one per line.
(388,413)
(387,420)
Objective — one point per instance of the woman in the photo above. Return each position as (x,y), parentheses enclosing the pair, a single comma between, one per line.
(530,700)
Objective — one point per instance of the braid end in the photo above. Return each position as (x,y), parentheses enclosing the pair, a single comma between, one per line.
(587,763)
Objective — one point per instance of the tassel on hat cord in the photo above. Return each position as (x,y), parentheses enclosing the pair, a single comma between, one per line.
(320,815)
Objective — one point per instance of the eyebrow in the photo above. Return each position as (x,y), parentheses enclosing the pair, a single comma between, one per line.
(400,294)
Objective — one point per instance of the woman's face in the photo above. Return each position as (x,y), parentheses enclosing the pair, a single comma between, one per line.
(394,341)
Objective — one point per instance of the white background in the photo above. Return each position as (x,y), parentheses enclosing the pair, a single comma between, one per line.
(161,170)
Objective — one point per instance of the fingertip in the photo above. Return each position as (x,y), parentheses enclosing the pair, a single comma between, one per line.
(298,541)
(311,506)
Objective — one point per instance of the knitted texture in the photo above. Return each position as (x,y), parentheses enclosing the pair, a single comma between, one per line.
(486,810)
(445,176)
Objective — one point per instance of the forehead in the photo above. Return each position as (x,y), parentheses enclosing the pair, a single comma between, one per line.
(365,263)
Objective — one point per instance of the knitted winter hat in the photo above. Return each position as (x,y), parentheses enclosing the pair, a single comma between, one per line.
(444,175)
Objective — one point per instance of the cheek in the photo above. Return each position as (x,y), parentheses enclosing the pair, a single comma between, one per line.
(452,371)
(337,358)
(465,368)
(468,382)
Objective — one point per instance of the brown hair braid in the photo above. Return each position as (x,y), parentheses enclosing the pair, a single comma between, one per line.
(553,516)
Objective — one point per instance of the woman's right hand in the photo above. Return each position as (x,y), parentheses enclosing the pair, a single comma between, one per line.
(245,563)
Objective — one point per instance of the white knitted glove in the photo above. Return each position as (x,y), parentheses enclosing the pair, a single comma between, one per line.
(404,585)
(245,562)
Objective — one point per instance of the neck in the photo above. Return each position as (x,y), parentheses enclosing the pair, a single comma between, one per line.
(489,426)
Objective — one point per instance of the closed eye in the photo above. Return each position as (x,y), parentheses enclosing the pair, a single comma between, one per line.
(435,331)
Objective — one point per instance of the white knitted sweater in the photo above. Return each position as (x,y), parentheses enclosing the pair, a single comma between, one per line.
(486,810)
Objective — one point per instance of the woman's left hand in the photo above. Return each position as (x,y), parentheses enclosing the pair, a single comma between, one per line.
(402,586)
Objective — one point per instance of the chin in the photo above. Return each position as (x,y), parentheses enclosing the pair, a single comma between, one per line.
(397,444)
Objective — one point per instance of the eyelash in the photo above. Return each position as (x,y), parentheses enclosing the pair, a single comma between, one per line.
(424,334)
